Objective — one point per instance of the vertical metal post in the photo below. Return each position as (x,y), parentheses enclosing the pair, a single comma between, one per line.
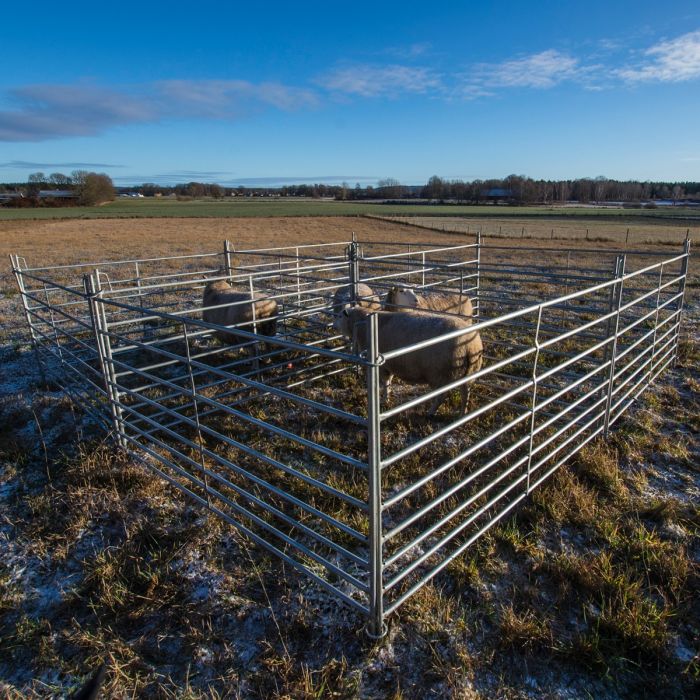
(104,351)
(619,274)
(89,287)
(256,350)
(110,376)
(19,279)
(228,268)
(533,408)
(283,302)
(477,305)
(375,626)
(17,270)
(296,254)
(566,288)
(144,325)
(656,325)
(193,388)
(611,308)
(354,271)
(49,306)
(681,291)
(138,282)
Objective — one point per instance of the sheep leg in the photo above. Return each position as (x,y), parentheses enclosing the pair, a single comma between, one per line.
(465,391)
(475,362)
(385,381)
(435,404)
(253,354)
(255,360)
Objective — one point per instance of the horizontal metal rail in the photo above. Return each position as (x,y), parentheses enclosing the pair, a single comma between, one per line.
(570,342)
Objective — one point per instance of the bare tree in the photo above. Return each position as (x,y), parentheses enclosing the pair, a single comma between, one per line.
(59,179)
(96,188)
(435,189)
(390,188)
(600,185)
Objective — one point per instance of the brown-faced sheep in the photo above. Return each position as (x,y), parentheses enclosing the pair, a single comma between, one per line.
(221,292)
(402,298)
(435,365)
(366,298)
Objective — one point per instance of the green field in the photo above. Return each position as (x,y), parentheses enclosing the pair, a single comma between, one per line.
(154,208)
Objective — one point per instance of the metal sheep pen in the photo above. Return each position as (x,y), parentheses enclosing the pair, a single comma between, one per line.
(293,444)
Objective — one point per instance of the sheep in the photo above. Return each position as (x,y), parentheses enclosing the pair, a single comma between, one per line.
(221,292)
(366,298)
(399,298)
(435,365)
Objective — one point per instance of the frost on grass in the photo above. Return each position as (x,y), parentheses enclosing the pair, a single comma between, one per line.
(590,589)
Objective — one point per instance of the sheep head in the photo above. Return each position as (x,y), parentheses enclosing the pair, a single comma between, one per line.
(402,296)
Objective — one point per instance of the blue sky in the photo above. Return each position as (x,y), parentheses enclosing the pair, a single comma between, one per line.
(248,93)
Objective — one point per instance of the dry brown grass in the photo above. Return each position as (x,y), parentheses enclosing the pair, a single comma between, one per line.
(553,229)
(75,240)
(591,589)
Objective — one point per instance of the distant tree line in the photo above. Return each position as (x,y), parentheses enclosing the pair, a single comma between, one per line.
(514,189)
(520,189)
(89,188)
(81,187)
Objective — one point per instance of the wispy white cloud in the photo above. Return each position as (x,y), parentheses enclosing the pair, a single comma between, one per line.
(409,52)
(41,112)
(25,164)
(172,177)
(301,180)
(609,44)
(675,60)
(381,81)
(56,111)
(541,71)
(223,99)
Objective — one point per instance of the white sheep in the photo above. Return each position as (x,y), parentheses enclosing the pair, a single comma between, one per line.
(366,298)
(435,365)
(400,298)
(221,292)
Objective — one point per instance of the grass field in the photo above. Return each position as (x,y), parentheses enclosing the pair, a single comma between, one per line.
(590,590)
(623,231)
(262,207)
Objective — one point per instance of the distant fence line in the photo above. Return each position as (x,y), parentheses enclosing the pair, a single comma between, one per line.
(554,233)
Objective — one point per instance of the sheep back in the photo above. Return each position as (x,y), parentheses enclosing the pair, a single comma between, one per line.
(399,298)
(221,292)
(367,299)
(436,364)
